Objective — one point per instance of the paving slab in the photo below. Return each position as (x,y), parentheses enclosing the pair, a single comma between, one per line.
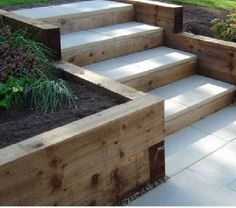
(95,36)
(187,188)
(219,166)
(71,8)
(70,40)
(218,120)
(189,92)
(232,186)
(188,146)
(160,58)
(126,29)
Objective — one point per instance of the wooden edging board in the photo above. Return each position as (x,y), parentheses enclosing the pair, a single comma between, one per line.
(97,160)
(167,16)
(216,58)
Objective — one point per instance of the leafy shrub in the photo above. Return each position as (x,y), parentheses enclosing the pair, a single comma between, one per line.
(48,95)
(11,92)
(21,56)
(225,30)
(26,74)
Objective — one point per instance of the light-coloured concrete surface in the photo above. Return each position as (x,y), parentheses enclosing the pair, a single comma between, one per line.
(107,33)
(219,166)
(160,58)
(201,163)
(189,92)
(188,188)
(188,146)
(126,29)
(217,121)
(72,8)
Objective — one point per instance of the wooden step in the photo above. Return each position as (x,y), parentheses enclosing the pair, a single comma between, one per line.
(90,46)
(193,98)
(148,69)
(82,15)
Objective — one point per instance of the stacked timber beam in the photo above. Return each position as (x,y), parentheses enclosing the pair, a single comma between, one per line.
(217,58)
(97,160)
(167,16)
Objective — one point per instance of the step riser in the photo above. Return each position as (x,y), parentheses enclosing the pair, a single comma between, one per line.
(111,49)
(192,115)
(157,78)
(75,23)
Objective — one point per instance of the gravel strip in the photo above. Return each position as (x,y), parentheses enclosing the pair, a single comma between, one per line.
(139,193)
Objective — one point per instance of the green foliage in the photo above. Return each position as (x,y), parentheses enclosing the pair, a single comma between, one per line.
(21,56)
(48,95)
(219,4)
(11,92)
(27,74)
(225,30)
(22,2)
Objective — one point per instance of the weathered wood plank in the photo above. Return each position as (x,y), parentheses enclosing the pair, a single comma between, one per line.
(110,49)
(168,16)
(74,23)
(196,113)
(109,184)
(57,159)
(157,78)
(217,59)
(101,81)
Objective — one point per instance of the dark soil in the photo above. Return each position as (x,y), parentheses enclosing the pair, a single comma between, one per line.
(19,124)
(197,20)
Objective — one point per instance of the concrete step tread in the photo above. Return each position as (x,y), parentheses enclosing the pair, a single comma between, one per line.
(139,63)
(93,36)
(187,93)
(79,8)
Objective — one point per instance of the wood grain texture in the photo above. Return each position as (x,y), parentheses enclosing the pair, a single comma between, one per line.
(197,112)
(56,165)
(98,80)
(112,48)
(168,16)
(156,78)
(76,22)
(216,58)
(93,161)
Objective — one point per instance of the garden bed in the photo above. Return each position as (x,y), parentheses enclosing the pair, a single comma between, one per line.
(97,160)
(22,123)
(111,147)
(197,20)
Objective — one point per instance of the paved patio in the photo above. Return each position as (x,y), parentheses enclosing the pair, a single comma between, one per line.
(201,164)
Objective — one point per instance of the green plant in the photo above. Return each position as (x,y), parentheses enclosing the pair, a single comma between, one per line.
(11,92)
(26,72)
(48,95)
(225,30)
(21,56)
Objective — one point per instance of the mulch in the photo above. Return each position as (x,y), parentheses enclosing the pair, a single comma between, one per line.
(197,20)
